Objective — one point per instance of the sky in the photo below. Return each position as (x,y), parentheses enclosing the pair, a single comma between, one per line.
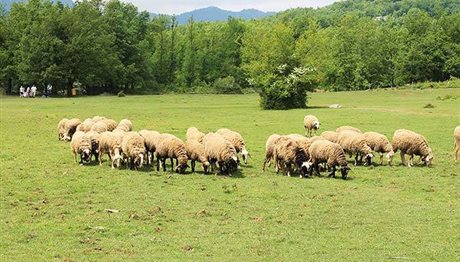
(180,6)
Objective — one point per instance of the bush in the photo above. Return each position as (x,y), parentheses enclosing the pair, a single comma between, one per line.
(227,85)
(121,94)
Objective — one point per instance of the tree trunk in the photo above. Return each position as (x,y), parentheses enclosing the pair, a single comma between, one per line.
(10,86)
(69,87)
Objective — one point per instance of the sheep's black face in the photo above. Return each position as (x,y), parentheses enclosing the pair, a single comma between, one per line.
(231,166)
(369,159)
(181,168)
(344,170)
(306,169)
(86,156)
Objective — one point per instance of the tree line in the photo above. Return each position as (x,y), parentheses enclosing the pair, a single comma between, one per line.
(111,46)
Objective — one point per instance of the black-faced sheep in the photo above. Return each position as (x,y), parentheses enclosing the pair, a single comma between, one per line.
(237,141)
(94,138)
(221,151)
(269,149)
(61,128)
(194,134)
(70,128)
(81,144)
(456,142)
(133,148)
(311,124)
(412,144)
(343,128)
(173,148)
(289,154)
(324,151)
(355,143)
(195,152)
(380,144)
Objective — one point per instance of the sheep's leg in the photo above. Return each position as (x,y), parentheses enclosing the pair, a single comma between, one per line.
(158,164)
(403,159)
(333,172)
(100,159)
(381,159)
(163,163)
(193,165)
(75,157)
(356,159)
(288,169)
(172,164)
(411,161)
(317,169)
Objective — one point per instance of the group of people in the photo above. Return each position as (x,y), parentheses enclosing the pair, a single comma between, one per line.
(31,91)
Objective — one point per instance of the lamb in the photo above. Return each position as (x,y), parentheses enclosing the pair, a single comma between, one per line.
(330,136)
(133,148)
(151,138)
(457,142)
(354,142)
(269,149)
(412,144)
(221,151)
(125,125)
(99,127)
(70,128)
(324,151)
(195,152)
(343,128)
(173,148)
(86,125)
(380,144)
(61,128)
(94,138)
(194,134)
(111,124)
(310,123)
(81,144)
(287,153)
(237,141)
(110,143)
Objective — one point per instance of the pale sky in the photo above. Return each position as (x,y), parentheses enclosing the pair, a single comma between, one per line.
(181,6)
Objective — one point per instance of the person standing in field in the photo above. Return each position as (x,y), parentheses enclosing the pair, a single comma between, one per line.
(33,91)
(21,91)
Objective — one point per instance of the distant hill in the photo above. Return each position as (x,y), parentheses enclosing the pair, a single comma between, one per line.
(212,13)
(8,3)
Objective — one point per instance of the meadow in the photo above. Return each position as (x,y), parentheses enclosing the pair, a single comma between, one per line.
(54,209)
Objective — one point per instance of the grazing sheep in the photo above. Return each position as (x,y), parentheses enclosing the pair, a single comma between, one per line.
(173,148)
(125,125)
(81,144)
(269,149)
(111,124)
(194,134)
(457,142)
(110,143)
(412,144)
(151,138)
(355,143)
(86,125)
(70,128)
(195,152)
(324,151)
(343,128)
(288,154)
(330,136)
(98,118)
(99,127)
(310,123)
(133,148)
(221,151)
(94,137)
(380,144)
(237,141)
(303,142)
(61,128)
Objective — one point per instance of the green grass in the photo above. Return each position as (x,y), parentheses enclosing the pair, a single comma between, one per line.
(53,209)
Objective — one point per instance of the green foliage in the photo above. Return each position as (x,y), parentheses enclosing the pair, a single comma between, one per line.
(227,85)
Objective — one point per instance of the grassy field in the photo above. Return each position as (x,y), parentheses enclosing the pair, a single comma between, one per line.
(54,209)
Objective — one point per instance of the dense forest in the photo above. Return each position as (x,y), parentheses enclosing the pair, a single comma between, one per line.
(108,46)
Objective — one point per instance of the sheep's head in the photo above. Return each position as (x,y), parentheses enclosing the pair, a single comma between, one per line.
(390,156)
(344,170)
(206,165)
(66,137)
(86,155)
(232,164)
(428,159)
(316,125)
(182,166)
(245,155)
(368,159)
(306,168)
(139,159)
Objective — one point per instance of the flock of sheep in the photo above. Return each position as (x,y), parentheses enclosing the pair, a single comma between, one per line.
(98,136)
(221,150)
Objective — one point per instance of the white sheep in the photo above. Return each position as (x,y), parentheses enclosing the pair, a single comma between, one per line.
(99,127)
(195,152)
(380,144)
(70,128)
(221,151)
(98,118)
(324,151)
(237,141)
(194,134)
(152,139)
(61,128)
(330,136)
(81,144)
(125,125)
(94,138)
(86,125)
(111,124)
(110,143)
(412,144)
(289,154)
(173,148)
(133,148)
(269,149)
(310,123)
(355,143)
(343,128)
(457,142)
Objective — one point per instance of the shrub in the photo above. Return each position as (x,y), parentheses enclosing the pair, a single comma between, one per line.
(227,85)
(121,94)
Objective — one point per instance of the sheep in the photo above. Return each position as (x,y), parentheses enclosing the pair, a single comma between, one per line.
(110,143)
(457,142)
(324,151)
(354,142)
(61,128)
(310,123)
(70,128)
(94,137)
(343,128)
(98,118)
(81,144)
(99,127)
(133,148)
(412,144)
(111,124)
(269,149)
(125,125)
(380,144)
(330,136)
(237,141)
(221,151)
(316,138)
(303,142)
(195,152)
(86,125)
(151,138)
(194,134)
(173,148)
(287,153)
